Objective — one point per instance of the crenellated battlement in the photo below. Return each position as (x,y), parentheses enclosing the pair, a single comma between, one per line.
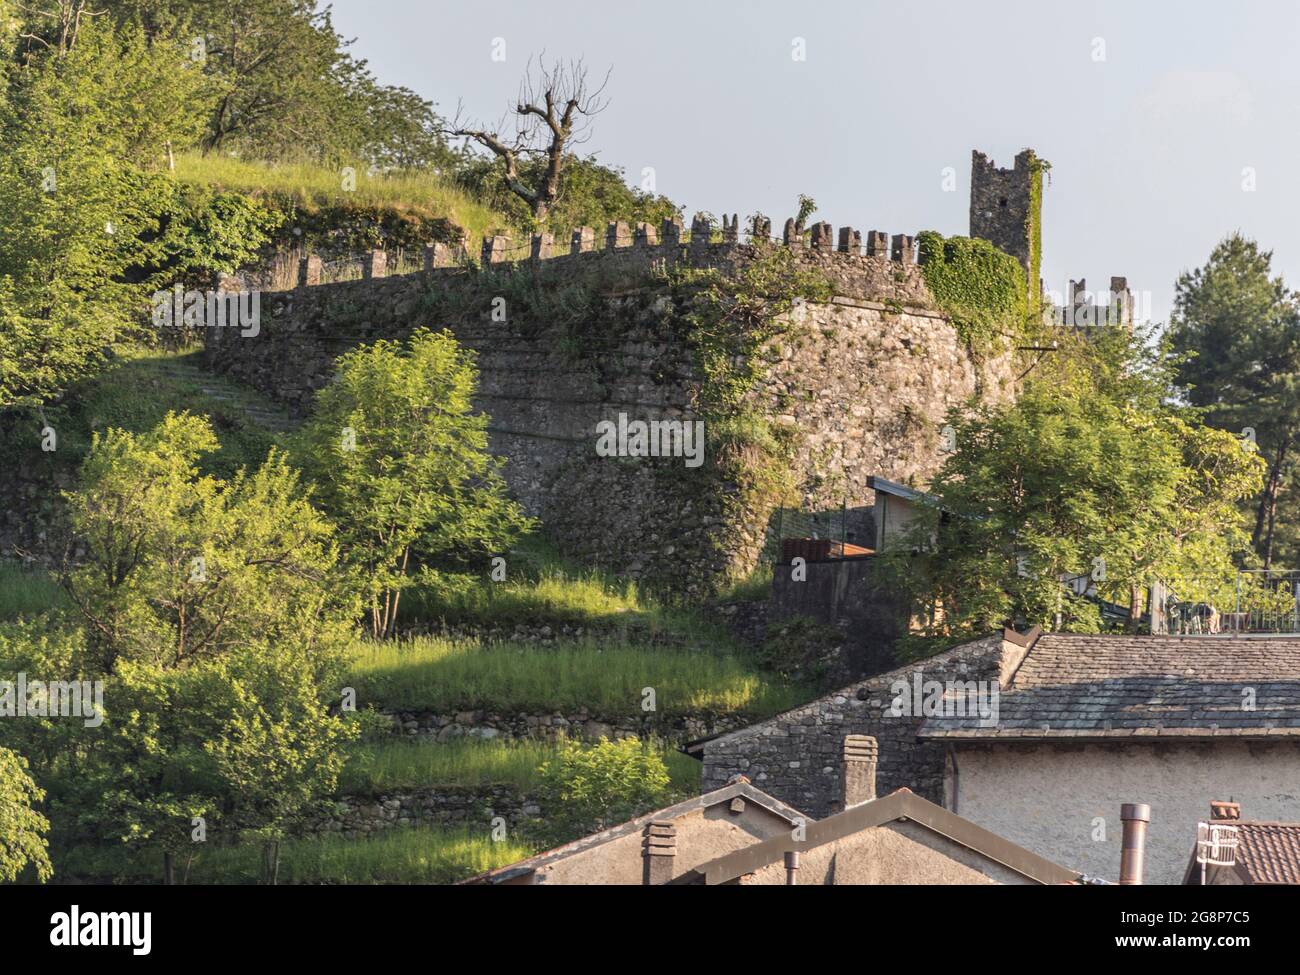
(1082,308)
(863,266)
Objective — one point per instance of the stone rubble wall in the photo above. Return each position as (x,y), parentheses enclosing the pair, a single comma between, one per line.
(583,724)
(866,379)
(357,816)
(797,756)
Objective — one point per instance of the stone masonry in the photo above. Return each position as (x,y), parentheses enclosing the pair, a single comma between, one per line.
(797,756)
(865,378)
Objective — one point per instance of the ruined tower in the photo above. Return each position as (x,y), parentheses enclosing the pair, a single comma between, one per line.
(1006,208)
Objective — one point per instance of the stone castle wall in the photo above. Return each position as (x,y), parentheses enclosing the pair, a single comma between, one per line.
(865,378)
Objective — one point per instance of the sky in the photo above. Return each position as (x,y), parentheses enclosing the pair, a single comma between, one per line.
(1167,125)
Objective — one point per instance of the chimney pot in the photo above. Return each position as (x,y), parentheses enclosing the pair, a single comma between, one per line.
(791,868)
(659,848)
(1225,811)
(1135,816)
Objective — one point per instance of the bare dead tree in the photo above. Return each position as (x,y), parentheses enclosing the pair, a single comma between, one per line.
(552,114)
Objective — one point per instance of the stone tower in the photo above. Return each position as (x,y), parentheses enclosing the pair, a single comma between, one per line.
(1006,208)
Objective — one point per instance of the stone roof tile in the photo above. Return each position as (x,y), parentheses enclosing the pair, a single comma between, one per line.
(1088,685)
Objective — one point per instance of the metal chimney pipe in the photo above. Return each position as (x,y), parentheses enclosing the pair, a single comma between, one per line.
(791,868)
(1134,816)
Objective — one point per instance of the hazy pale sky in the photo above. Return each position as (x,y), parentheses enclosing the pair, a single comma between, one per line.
(1157,118)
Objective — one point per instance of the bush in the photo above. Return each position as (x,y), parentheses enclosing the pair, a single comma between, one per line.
(587,788)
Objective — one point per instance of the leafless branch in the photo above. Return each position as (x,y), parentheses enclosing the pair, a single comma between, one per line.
(552,114)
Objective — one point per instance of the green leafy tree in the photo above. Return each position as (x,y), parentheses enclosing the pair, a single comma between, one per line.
(1238,328)
(180,566)
(73,210)
(145,779)
(213,610)
(1087,475)
(402,465)
(592,787)
(279,748)
(22,828)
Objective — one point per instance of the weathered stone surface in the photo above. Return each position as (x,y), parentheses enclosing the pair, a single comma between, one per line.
(866,379)
(358,816)
(798,756)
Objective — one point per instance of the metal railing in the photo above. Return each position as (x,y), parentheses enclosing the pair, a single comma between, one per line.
(1267,601)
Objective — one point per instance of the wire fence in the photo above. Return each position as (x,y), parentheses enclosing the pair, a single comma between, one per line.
(847,529)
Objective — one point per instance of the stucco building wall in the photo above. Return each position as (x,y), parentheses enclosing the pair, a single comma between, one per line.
(896,853)
(702,835)
(1050,798)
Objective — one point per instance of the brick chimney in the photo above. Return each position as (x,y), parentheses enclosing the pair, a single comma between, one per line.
(1225,812)
(659,849)
(858,770)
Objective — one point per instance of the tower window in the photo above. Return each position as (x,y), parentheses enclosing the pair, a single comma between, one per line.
(1002,202)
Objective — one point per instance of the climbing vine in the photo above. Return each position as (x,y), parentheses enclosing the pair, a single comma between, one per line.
(980,288)
(734,320)
(1034,227)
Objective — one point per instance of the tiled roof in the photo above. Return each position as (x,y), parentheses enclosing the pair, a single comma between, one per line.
(1269,853)
(1091,686)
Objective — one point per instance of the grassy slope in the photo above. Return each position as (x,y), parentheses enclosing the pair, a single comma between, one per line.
(406,856)
(315,186)
(137,390)
(28,591)
(605,678)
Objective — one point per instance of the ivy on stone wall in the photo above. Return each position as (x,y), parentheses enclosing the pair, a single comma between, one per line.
(733,320)
(980,288)
(1038,168)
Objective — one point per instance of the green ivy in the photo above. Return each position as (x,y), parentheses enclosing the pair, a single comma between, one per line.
(733,315)
(1034,228)
(980,288)
(732,319)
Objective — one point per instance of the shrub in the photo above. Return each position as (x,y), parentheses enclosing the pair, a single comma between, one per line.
(587,788)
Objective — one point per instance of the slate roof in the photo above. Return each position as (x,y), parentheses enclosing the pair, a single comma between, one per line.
(1090,686)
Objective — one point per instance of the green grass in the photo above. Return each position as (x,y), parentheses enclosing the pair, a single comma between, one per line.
(135,392)
(542,587)
(26,592)
(755,586)
(469,763)
(422,855)
(606,678)
(312,187)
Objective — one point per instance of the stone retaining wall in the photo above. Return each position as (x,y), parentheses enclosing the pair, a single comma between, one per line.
(487,725)
(359,816)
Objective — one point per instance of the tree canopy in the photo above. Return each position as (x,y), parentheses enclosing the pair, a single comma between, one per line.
(1091,474)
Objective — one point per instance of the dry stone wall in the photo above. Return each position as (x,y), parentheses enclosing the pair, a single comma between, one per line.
(865,379)
(797,756)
